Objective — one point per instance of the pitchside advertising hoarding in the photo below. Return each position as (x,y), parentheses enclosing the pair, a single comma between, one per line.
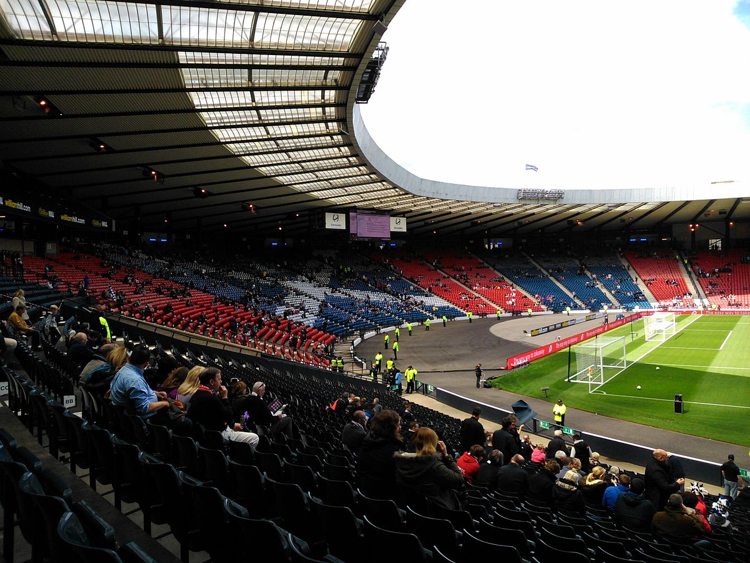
(527,357)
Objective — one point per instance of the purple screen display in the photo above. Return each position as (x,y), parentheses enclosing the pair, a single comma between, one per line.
(373,226)
(353,222)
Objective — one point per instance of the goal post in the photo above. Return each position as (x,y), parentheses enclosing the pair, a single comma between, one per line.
(659,326)
(599,360)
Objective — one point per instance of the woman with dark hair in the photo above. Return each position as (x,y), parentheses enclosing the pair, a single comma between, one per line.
(430,471)
(174,379)
(376,468)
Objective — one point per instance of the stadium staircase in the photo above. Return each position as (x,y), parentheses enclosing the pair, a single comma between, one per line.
(554,280)
(639,281)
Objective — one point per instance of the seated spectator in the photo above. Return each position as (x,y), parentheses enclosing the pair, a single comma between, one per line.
(354,431)
(691,500)
(633,509)
(613,492)
(18,324)
(79,351)
(593,486)
(487,474)
(542,484)
(470,461)
(48,324)
(677,522)
(130,391)
(98,360)
(595,461)
(411,432)
(260,415)
(567,496)
(573,464)
(188,387)
(209,407)
(172,382)
(430,471)
(376,468)
(8,344)
(512,479)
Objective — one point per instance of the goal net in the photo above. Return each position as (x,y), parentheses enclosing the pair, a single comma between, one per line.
(599,360)
(659,326)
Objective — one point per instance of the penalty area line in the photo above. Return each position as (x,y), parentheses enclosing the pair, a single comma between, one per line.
(668,400)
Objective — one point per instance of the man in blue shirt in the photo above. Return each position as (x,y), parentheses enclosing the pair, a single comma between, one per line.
(397,381)
(130,390)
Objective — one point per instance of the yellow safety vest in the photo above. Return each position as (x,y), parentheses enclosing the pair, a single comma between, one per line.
(559,411)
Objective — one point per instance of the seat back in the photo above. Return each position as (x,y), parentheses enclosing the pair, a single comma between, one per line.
(406,545)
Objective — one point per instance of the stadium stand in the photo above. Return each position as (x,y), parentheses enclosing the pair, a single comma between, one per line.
(724,277)
(531,279)
(661,273)
(574,277)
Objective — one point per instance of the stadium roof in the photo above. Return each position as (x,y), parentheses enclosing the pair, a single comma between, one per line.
(243,112)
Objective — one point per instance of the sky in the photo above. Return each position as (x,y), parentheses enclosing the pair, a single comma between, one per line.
(594,93)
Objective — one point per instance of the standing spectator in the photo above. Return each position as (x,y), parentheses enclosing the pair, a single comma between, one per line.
(582,451)
(556,444)
(478,374)
(659,483)
(472,431)
(633,509)
(730,475)
(505,439)
(676,471)
(354,431)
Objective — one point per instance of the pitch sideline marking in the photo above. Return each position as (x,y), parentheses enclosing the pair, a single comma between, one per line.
(702,367)
(670,400)
(725,340)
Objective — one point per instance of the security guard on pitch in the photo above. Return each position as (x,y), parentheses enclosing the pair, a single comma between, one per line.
(386,339)
(395,350)
(411,376)
(427,324)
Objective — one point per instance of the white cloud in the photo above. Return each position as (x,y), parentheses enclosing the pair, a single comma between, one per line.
(596,93)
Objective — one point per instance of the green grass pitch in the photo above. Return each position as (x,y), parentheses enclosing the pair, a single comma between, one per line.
(707,360)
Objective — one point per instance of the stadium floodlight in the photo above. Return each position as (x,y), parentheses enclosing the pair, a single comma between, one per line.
(659,326)
(599,360)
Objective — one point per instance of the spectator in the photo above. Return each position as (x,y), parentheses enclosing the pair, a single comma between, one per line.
(17,323)
(633,509)
(487,474)
(209,407)
(542,484)
(556,444)
(430,471)
(260,414)
(596,460)
(659,484)
(472,431)
(582,451)
(506,438)
(98,360)
(567,496)
(376,468)
(130,391)
(19,300)
(573,464)
(411,433)
(593,486)
(512,479)
(354,431)
(174,379)
(691,500)
(677,522)
(79,351)
(730,475)
(613,492)
(470,461)
(188,387)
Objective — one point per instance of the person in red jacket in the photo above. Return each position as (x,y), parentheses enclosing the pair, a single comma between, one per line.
(470,461)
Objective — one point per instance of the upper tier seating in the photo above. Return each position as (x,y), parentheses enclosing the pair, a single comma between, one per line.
(724,276)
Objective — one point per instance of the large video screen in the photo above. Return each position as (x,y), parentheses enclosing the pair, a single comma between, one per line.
(369,225)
